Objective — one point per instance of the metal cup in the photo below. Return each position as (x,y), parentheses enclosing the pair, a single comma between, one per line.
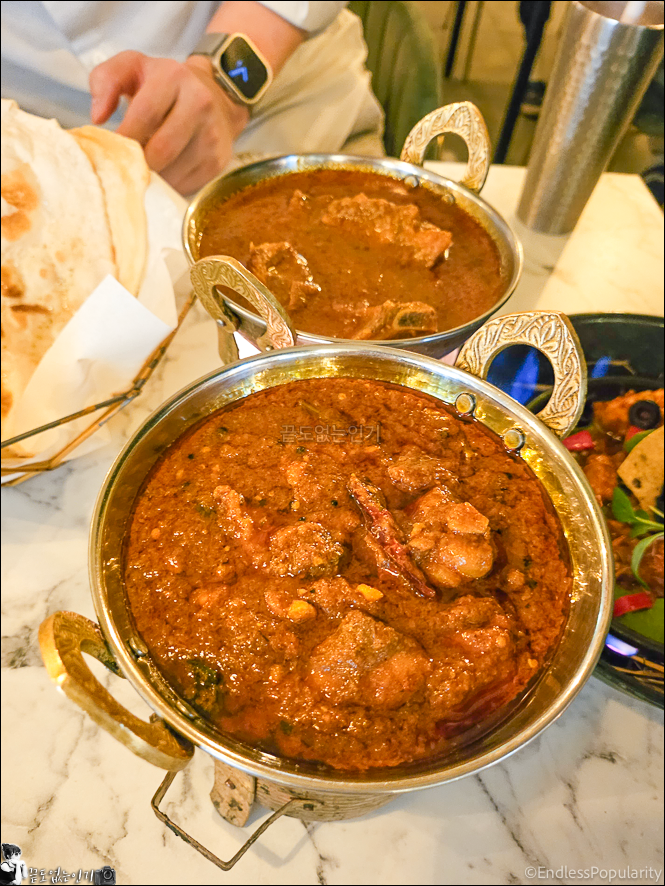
(607,55)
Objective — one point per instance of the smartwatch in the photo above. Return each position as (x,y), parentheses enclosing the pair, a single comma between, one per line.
(237,66)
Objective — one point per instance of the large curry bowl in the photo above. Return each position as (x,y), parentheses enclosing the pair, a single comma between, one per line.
(168,739)
(461,118)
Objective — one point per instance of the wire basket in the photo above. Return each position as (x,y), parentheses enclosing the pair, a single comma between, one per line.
(107,408)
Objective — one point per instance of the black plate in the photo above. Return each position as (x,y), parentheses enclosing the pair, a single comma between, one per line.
(622,351)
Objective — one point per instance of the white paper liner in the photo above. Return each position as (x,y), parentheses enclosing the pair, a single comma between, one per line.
(107,341)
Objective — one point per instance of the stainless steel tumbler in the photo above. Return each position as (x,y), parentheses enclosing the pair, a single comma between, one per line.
(607,55)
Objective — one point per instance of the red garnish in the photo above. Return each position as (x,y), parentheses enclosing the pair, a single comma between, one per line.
(632,430)
(579,442)
(632,603)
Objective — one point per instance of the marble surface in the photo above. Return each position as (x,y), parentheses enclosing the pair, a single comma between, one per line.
(582,800)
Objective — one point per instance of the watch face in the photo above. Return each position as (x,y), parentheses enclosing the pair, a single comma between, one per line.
(244,68)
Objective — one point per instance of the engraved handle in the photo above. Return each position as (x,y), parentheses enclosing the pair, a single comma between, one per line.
(460,118)
(551,333)
(222,270)
(63,638)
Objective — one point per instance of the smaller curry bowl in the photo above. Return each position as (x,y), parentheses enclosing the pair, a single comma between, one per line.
(380,244)
(302,787)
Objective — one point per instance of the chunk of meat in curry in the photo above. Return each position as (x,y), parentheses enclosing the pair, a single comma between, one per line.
(450,539)
(305,549)
(284,271)
(380,221)
(392,320)
(351,603)
(366,662)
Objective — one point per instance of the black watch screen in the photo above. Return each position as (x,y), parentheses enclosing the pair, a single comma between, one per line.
(243,67)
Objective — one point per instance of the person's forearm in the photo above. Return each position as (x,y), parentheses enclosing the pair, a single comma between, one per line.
(276,38)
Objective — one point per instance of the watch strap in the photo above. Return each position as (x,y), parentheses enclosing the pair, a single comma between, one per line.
(209,44)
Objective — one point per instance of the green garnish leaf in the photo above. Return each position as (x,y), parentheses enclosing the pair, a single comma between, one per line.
(621,506)
(643,523)
(639,552)
(640,521)
(629,445)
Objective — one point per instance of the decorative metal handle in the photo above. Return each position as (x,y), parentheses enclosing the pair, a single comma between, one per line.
(63,638)
(551,333)
(460,118)
(222,270)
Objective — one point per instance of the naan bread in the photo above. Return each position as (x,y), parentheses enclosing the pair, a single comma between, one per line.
(124,176)
(73,211)
(56,242)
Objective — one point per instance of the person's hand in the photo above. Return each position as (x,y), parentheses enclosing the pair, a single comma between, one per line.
(184,120)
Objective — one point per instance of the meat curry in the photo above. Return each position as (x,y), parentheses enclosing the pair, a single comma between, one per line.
(345,571)
(358,255)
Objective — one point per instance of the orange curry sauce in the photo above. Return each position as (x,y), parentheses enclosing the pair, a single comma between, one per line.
(343,250)
(344,571)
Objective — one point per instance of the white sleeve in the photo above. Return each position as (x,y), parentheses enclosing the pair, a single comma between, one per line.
(310,17)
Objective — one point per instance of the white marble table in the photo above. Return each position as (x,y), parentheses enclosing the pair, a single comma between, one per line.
(585,795)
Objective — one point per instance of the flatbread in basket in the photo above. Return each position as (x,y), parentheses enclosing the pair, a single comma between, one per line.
(72,213)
